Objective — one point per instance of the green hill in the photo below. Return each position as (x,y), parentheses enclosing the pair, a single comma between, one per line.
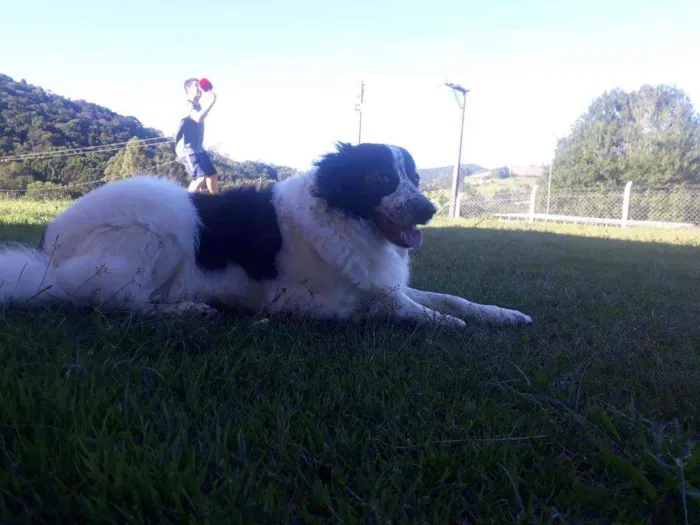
(33,120)
(441,178)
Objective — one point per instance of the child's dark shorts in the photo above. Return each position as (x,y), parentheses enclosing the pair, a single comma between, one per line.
(198,165)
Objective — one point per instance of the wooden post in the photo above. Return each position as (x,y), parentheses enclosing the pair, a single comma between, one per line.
(533,200)
(626,204)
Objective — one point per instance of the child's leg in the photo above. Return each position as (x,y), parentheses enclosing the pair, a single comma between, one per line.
(192,168)
(212,184)
(207,169)
(196,184)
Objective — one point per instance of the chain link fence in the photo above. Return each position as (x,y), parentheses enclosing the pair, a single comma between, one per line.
(475,205)
(671,206)
(606,204)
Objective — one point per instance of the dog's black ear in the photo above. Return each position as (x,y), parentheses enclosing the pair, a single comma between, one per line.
(343,147)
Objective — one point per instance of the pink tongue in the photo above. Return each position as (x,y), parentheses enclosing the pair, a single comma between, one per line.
(411,238)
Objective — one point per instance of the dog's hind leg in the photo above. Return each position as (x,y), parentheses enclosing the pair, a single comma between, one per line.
(128,268)
(89,279)
(113,284)
(460,307)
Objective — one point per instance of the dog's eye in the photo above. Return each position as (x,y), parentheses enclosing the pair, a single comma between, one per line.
(383,183)
(382,180)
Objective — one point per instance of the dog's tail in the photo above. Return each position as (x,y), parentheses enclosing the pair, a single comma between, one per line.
(27,277)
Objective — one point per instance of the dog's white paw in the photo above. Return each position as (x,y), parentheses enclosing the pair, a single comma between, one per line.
(187,308)
(452,322)
(437,318)
(199,309)
(513,317)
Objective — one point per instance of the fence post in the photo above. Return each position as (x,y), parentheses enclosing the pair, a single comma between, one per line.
(533,200)
(626,204)
(458,207)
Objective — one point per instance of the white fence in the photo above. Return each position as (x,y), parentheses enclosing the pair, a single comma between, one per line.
(669,206)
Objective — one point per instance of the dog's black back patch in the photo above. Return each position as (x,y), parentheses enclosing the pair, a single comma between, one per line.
(239,227)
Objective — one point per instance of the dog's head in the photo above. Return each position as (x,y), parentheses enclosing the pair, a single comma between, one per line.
(378,183)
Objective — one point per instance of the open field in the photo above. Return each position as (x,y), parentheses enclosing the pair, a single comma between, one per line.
(588,416)
(513,184)
(486,188)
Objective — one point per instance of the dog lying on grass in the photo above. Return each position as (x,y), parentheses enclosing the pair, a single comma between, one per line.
(333,243)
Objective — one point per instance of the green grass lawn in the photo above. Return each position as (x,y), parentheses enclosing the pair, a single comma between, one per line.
(589,416)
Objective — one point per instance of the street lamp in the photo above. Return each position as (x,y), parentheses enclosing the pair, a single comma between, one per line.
(456,88)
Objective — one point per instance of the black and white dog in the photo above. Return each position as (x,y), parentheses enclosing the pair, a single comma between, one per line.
(329,244)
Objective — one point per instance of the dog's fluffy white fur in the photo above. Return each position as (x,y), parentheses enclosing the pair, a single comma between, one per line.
(133,244)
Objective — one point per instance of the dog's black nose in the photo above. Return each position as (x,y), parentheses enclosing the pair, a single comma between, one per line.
(422,210)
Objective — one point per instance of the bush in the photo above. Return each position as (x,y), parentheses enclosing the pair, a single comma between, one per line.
(48,191)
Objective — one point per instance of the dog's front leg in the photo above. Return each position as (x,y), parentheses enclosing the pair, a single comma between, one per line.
(460,307)
(149,309)
(398,306)
(183,309)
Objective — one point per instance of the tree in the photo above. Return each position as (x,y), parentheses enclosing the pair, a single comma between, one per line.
(127,162)
(500,173)
(33,120)
(650,136)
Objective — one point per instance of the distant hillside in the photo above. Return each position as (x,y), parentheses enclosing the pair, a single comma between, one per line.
(33,120)
(441,178)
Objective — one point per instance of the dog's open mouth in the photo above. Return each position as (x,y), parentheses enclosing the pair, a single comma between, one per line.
(404,236)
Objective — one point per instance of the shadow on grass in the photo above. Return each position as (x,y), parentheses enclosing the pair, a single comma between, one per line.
(629,241)
(468,259)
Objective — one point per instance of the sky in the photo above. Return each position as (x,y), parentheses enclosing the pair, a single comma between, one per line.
(287,74)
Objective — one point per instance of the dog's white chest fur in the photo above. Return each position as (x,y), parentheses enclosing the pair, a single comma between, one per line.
(328,262)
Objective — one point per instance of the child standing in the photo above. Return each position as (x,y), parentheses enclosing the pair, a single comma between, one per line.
(190,136)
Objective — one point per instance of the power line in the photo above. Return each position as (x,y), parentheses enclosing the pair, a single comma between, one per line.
(96,146)
(101,145)
(78,153)
(70,153)
(88,149)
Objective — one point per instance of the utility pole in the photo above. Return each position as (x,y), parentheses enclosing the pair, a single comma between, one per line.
(456,88)
(551,167)
(358,108)
(549,185)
